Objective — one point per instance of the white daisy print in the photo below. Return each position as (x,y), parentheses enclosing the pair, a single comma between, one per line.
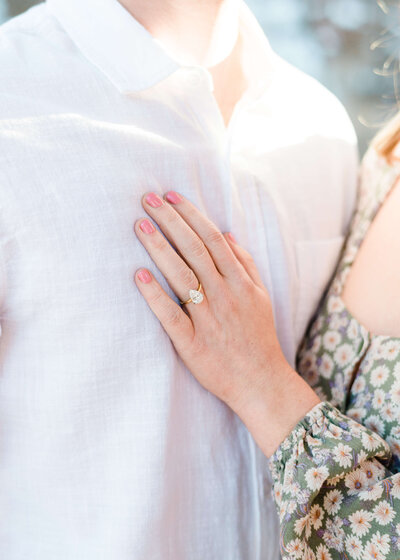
(362,457)
(379,398)
(326,366)
(316,516)
(395,490)
(334,534)
(311,375)
(343,455)
(278,493)
(308,553)
(366,365)
(387,412)
(372,552)
(337,395)
(370,441)
(394,444)
(334,432)
(356,414)
(316,344)
(370,470)
(291,507)
(355,481)
(323,553)
(358,385)
(354,547)
(391,350)
(295,548)
(315,477)
(395,393)
(352,330)
(395,432)
(317,326)
(344,354)
(331,340)
(332,501)
(382,542)
(308,361)
(360,522)
(379,375)
(303,525)
(371,493)
(335,304)
(383,513)
(375,424)
(340,458)
(337,323)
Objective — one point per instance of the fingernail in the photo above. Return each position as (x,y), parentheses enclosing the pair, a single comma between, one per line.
(144,276)
(147,227)
(232,237)
(154,200)
(173,197)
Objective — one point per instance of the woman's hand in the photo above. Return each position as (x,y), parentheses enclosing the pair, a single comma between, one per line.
(227,341)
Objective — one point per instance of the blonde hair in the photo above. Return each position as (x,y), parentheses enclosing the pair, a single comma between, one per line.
(388,138)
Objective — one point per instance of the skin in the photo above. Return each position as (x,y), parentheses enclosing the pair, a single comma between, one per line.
(371,293)
(203,34)
(228,341)
(253,377)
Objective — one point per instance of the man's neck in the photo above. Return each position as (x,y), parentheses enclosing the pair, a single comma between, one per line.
(200,32)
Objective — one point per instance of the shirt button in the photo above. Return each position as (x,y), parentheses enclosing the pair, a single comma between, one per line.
(193,78)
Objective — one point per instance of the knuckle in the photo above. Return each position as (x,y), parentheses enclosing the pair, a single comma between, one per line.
(159,243)
(172,216)
(198,249)
(191,211)
(214,237)
(174,317)
(245,283)
(186,276)
(247,257)
(156,297)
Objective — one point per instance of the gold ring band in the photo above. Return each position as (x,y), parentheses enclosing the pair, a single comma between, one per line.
(195,296)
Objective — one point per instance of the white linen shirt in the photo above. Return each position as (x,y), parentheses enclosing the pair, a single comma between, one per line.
(109,448)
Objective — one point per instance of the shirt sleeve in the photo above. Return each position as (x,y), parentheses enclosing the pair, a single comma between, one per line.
(336,496)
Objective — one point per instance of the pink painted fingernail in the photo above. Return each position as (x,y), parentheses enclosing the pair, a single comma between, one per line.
(147,227)
(173,197)
(232,237)
(144,276)
(154,200)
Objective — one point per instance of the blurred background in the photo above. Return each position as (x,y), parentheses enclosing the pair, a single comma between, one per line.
(343,43)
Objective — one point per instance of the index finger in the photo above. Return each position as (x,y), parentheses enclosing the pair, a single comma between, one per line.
(219,249)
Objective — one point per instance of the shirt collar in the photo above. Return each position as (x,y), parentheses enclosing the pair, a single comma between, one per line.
(115,42)
(120,47)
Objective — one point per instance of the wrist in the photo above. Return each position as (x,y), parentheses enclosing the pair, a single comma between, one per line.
(274,408)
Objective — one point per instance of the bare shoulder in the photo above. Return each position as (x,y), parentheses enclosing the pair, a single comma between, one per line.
(371,289)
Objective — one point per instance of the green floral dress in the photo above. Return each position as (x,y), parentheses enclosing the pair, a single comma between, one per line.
(337,475)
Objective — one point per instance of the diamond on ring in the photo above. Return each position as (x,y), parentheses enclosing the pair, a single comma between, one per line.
(195,296)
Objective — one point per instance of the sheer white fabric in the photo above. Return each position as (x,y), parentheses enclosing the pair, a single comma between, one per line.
(109,449)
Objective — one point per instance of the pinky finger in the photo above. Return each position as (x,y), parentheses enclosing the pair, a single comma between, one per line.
(245,259)
(176,323)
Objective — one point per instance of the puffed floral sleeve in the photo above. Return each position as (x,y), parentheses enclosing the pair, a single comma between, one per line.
(335,496)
